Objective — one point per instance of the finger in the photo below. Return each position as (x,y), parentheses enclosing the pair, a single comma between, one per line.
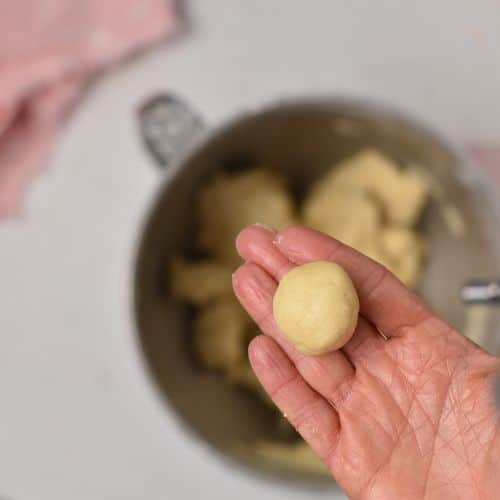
(364,343)
(331,374)
(384,300)
(256,244)
(312,416)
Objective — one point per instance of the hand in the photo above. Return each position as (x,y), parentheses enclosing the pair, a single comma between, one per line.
(405,409)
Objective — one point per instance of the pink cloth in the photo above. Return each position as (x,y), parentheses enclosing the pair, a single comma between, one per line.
(487,158)
(49,50)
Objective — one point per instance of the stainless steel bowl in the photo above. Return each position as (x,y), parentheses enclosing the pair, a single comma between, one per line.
(302,139)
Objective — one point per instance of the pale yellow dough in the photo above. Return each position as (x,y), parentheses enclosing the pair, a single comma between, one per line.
(372,205)
(200,281)
(219,334)
(351,216)
(229,202)
(316,307)
(401,193)
(404,250)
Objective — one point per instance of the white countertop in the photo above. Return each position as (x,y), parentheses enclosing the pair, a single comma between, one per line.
(78,416)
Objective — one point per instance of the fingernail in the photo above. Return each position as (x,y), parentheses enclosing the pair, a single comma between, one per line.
(278,238)
(265,227)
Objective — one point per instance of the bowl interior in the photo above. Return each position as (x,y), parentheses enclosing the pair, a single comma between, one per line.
(301,140)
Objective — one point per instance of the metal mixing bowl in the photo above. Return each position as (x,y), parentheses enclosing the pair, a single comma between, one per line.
(302,139)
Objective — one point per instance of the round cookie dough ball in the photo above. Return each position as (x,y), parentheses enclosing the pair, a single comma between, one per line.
(316,307)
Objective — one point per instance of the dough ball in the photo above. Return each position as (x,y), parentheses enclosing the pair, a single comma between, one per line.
(199,281)
(229,202)
(350,216)
(316,307)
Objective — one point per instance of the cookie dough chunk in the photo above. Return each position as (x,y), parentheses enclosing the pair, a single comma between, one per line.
(220,330)
(229,202)
(404,251)
(400,250)
(350,216)
(199,281)
(402,193)
(316,307)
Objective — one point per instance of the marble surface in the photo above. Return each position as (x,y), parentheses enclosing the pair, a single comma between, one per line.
(79,418)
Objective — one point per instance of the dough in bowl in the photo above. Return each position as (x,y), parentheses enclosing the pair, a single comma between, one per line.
(316,307)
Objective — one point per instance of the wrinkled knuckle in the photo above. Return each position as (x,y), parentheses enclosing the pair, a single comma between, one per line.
(284,386)
(263,321)
(333,250)
(376,280)
(339,394)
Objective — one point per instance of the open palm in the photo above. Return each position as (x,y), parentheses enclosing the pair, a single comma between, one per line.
(405,409)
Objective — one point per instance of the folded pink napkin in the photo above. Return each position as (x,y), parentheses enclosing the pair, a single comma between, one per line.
(49,50)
